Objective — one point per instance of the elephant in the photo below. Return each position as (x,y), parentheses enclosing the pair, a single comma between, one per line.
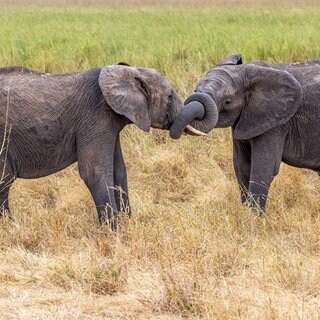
(273,110)
(49,121)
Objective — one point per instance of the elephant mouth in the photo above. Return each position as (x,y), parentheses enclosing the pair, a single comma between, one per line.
(238,119)
(162,124)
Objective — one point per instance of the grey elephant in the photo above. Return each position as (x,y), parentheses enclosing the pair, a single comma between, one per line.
(274,113)
(49,121)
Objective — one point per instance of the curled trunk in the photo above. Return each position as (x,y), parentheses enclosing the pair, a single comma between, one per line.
(200,112)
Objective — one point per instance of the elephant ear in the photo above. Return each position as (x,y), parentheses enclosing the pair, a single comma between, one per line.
(274,97)
(126,93)
(233,60)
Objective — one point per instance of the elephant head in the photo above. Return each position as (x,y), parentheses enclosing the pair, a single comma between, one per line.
(252,98)
(141,95)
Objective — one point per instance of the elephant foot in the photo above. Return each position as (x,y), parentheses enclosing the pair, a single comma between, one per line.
(109,218)
(254,203)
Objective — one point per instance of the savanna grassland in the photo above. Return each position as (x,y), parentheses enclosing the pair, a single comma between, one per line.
(190,250)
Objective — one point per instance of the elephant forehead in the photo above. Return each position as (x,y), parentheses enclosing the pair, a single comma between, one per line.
(151,73)
(222,81)
(155,80)
(228,74)
(215,86)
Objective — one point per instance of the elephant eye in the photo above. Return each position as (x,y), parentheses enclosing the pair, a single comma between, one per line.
(170,98)
(228,101)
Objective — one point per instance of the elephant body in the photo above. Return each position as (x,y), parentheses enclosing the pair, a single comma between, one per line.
(49,121)
(41,109)
(274,113)
(302,131)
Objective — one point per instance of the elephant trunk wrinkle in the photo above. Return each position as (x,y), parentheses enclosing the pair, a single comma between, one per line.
(189,112)
(200,112)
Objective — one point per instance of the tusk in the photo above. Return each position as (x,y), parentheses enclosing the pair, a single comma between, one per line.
(194,132)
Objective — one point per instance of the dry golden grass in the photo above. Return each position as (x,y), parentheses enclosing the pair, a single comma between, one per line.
(190,250)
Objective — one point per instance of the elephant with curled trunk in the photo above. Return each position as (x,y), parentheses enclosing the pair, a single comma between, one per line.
(274,113)
(49,121)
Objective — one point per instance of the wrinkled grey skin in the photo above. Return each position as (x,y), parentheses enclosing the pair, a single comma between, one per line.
(274,112)
(49,121)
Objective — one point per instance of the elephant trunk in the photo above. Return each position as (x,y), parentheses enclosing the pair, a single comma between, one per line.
(200,112)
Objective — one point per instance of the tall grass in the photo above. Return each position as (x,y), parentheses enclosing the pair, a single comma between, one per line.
(181,43)
(190,249)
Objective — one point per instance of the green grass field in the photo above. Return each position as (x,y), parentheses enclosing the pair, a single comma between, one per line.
(181,43)
(191,249)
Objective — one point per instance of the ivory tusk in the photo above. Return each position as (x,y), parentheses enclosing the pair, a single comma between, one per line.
(192,131)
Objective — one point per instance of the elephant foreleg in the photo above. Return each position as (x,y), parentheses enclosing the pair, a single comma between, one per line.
(242,167)
(120,180)
(266,155)
(102,191)
(96,169)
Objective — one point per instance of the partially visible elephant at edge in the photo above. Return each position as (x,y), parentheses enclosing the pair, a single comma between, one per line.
(49,121)
(274,112)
